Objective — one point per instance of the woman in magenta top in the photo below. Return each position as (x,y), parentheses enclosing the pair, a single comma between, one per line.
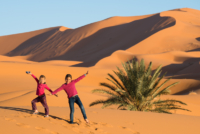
(72,93)
(41,85)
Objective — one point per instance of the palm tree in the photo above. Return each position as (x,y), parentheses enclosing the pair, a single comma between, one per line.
(138,89)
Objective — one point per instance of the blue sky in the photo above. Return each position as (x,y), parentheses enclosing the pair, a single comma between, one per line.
(18,16)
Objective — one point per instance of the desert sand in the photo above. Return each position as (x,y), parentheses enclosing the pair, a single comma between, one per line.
(170,38)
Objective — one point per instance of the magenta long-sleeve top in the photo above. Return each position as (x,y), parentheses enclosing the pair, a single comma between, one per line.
(70,88)
(40,87)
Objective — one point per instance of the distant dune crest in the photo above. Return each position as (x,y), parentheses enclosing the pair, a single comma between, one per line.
(62,28)
(173,30)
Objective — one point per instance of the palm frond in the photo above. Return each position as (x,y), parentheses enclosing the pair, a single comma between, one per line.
(97,102)
(116,81)
(104,92)
(135,88)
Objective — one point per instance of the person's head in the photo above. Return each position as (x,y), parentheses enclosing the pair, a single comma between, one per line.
(42,79)
(68,78)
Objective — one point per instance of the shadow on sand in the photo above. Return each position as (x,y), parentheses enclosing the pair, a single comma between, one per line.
(30,112)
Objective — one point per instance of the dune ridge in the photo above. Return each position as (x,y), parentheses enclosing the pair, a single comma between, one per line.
(170,38)
(90,39)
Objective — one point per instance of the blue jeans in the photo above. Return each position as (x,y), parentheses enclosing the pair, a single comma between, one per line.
(77,100)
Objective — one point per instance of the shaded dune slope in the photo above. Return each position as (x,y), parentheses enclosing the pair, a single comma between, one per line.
(116,33)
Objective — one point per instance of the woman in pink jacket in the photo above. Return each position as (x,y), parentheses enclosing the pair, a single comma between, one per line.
(41,85)
(73,97)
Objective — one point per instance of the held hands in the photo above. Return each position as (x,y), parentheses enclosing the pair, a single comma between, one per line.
(56,95)
(87,73)
(51,94)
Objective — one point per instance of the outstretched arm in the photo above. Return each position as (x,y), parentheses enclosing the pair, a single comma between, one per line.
(57,90)
(36,79)
(28,72)
(50,90)
(81,77)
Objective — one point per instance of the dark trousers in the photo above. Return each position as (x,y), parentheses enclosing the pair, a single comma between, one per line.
(72,100)
(41,99)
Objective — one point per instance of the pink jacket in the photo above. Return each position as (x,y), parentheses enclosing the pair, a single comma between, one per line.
(41,87)
(70,88)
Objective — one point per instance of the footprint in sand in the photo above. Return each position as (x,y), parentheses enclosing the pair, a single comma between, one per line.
(89,127)
(19,116)
(95,124)
(33,116)
(41,117)
(79,121)
(74,125)
(65,125)
(128,129)
(9,119)
(98,130)
(45,130)
(22,115)
(22,125)
(105,124)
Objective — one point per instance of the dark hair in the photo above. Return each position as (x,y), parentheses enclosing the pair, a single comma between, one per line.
(42,76)
(68,75)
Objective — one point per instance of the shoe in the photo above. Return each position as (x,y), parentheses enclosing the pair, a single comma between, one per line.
(46,116)
(35,113)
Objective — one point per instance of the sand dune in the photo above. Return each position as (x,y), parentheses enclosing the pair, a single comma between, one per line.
(180,37)
(22,83)
(10,42)
(180,66)
(116,33)
(79,44)
(20,120)
(170,38)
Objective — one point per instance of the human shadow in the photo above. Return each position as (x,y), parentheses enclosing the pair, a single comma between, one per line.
(30,112)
